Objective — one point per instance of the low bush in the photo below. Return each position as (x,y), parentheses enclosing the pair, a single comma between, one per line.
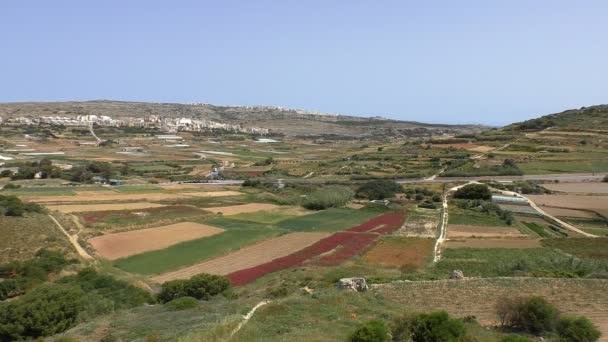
(533,315)
(605,180)
(577,329)
(182,303)
(13,206)
(437,326)
(371,331)
(202,286)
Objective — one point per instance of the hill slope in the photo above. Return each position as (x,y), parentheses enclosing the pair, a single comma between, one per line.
(585,118)
(282,120)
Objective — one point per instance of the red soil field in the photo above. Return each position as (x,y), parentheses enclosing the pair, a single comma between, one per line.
(351,243)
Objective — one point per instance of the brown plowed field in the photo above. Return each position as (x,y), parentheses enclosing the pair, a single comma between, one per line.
(477,297)
(494,243)
(120,245)
(401,251)
(84,197)
(250,256)
(569,212)
(75,208)
(245,208)
(571,201)
(459,231)
(580,187)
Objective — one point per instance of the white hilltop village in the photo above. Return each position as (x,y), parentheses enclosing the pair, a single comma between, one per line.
(166,124)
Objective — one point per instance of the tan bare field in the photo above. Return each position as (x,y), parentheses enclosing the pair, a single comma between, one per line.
(120,245)
(569,212)
(244,208)
(482,149)
(246,257)
(84,197)
(580,187)
(459,231)
(478,297)
(571,201)
(494,243)
(355,206)
(76,208)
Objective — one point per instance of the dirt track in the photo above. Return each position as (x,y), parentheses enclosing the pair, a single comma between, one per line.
(250,256)
(120,245)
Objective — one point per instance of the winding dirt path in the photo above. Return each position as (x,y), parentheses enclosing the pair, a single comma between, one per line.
(73,240)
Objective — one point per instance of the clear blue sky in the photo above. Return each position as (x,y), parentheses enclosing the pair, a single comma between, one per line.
(450,61)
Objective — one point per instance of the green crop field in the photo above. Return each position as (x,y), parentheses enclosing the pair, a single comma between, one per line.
(191,252)
(474,218)
(593,248)
(141,217)
(268,217)
(330,220)
(231,223)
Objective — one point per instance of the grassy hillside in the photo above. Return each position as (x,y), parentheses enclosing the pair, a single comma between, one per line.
(592,118)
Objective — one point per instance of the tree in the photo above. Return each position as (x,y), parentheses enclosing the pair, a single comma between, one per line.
(605,180)
(202,286)
(379,189)
(534,314)
(371,331)
(328,197)
(437,326)
(577,329)
(474,191)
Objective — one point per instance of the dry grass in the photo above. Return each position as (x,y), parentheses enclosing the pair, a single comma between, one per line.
(478,297)
(569,212)
(76,208)
(493,243)
(120,245)
(250,256)
(459,231)
(579,187)
(240,209)
(571,201)
(398,251)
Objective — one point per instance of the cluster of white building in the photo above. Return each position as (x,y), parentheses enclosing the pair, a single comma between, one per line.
(151,121)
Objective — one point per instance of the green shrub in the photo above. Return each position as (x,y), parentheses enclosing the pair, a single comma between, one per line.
(474,191)
(11,186)
(254,183)
(533,315)
(379,189)
(202,286)
(182,303)
(328,197)
(437,326)
(577,329)
(45,311)
(515,338)
(371,331)
(605,180)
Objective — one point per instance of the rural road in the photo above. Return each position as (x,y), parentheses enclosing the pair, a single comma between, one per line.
(73,240)
(444,223)
(544,213)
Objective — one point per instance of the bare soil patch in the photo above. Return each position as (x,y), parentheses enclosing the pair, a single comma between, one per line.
(463,146)
(244,208)
(482,149)
(571,201)
(579,187)
(120,245)
(250,256)
(494,243)
(355,206)
(75,208)
(400,252)
(562,212)
(420,223)
(459,231)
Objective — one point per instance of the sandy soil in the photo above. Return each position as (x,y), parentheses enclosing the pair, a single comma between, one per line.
(75,208)
(245,208)
(571,201)
(250,256)
(84,197)
(458,231)
(493,243)
(120,245)
(579,187)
